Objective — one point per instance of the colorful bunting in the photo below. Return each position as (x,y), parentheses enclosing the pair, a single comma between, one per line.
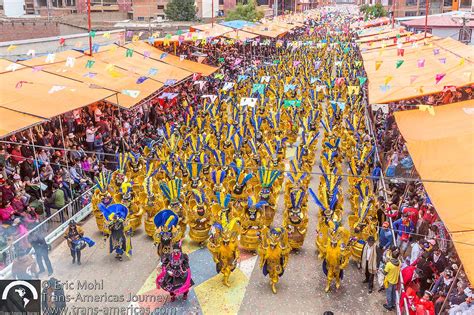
(92,34)
(227,86)
(56,88)
(248,101)
(439,77)
(384,88)
(70,62)
(12,67)
(442,60)
(430,109)
(413,78)
(399,63)
(50,58)
(170,82)
(90,63)
(362,80)
(259,88)
(11,48)
(129,53)
(131,93)
(31,52)
(421,63)
(353,89)
(152,71)
(378,63)
(95,48)
(291,103)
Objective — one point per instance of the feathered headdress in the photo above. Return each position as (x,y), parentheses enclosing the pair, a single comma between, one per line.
(121,162)
(218,176)
(151,171)
(133,157)
(252,203)
(166,218)
(223,199)
(194,167)
(126,187)
(114,211)
(172,190)
(199,196)
(220,157)
(267,176)
(103,181)
(296,198)
(240,177)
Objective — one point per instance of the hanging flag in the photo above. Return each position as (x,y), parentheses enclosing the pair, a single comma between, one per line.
(70,61)
(296,63)
(320,88)
(388,79)
(378,63)
(196,76)
(358,63)
(353,89)
(259,88)
(210,96)
(421,63)
(339,81)
(201,84)
(129,33)
(439,77)
(50,58)
(317,64)
(289,87)
(237,61)
(362,80)
(12,67)
(19,84)
(399,63)
(37,68)
(413,78)
(468,75)
(106,35)
(265,79)
(461,61)
(442,60)
(313,80)
(170,82)
(219,76)
(227,86)
(56,88)
(61,41)
(242,77)
(11,48)
(276,61)
(152,71)
(163,55)
(95,48)
(427,108)
(90,75)
(92,34)
(436,51)
(384,88)
(129,53)
(146,54)
(248,101)
(400,52)
(337,63)
(31,52)
(135,38)
(142,79)
(89,63)
(291,103)
(131,93)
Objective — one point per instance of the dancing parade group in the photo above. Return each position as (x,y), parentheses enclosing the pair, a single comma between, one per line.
(218,177)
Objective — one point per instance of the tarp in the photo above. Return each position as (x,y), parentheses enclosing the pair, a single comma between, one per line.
(442,149)
(384,36)
(44,94)
(408,39)
(422,70)
(240,35)
(378,30)
(211,29)
(268,30)
(157,54)
(238,24)
(114,78)
(13,121)
(141,64)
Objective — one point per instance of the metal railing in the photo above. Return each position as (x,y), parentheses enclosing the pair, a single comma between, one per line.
(46,227)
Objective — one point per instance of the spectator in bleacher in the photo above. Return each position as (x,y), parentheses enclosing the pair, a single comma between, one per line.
(56,201)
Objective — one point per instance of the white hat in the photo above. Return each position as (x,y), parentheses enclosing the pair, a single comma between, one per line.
(468,292)
(70,135)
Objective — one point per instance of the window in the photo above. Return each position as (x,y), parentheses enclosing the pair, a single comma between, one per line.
(221,2)
(465,4)
(390,2)
(141,18)
(160,7)
(448,3)
(410,13)
(465,35)
(411,2)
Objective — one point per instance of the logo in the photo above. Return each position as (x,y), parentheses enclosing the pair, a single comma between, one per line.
(20,296)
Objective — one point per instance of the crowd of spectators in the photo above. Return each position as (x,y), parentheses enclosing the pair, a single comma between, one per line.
(429,263)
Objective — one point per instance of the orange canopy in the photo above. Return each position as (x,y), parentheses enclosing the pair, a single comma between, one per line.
(442,149)
(13,121)
(425,68)
(211,30)
(139,64)
(269,30)
(378,30)
(384,36)
(240,35)
(43,94)
(156,54)
(407,38)
(115,78)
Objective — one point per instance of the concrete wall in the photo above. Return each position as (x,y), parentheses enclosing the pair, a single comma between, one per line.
(10,31)
(448,32)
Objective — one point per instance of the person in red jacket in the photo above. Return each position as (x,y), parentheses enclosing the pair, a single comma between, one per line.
(425,306)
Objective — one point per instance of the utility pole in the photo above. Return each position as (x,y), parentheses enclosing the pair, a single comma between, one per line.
(427,4)
(212,4)
(89,25)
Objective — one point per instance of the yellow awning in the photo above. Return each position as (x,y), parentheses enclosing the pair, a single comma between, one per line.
(13,121)
(442,149)
(268,30)
(240,35)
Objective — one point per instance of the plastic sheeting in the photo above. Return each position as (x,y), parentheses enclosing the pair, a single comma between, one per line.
(442,149)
